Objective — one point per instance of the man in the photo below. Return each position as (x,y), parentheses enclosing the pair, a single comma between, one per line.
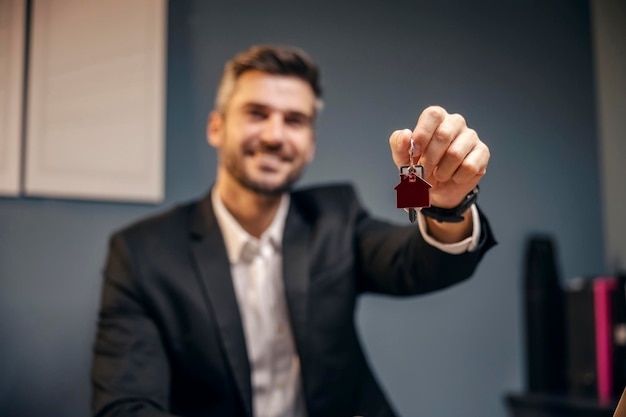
(242,304)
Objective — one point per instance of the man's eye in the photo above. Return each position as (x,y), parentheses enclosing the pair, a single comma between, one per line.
(295,121)
(256,114)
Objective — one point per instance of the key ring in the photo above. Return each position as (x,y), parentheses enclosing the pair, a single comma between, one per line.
(412,169)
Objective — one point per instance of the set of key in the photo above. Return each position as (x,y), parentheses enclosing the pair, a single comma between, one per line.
(413,191)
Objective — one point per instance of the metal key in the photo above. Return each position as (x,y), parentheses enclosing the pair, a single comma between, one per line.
(413,191)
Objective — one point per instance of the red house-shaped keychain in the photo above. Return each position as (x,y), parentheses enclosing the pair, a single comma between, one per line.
(413,190)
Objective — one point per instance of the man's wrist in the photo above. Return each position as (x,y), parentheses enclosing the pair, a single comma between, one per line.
(454,214)
(448,243)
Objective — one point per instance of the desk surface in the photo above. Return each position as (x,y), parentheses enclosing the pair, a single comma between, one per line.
(545,405)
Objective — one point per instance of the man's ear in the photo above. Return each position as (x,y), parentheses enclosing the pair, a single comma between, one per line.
(214,129)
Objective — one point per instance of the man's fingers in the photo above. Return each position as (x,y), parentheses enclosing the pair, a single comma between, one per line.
(427,124)
(454,156)
(450,152)
(474,165)
(400,143)
(443,137)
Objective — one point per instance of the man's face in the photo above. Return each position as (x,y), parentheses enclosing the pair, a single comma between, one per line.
(265,136)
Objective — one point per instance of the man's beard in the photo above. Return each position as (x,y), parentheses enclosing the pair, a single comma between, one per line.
(233,163)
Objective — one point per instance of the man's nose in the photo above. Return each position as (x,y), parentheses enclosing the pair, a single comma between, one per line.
(274,129)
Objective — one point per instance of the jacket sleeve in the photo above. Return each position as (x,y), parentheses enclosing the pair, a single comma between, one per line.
(396,260)
(130,372)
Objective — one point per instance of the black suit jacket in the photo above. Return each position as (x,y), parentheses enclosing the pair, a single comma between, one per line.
(170,337)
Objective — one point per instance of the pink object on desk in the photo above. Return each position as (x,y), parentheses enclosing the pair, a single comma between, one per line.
(602,289)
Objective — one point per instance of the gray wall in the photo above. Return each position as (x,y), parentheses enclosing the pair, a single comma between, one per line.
(522,75)
(609,32)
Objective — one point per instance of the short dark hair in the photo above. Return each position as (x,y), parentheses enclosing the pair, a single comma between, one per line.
(278,60)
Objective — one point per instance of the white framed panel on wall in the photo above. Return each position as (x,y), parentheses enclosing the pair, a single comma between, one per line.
(96,100)
(12,45)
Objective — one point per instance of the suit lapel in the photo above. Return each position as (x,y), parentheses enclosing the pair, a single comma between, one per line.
(210,255)
(296,274)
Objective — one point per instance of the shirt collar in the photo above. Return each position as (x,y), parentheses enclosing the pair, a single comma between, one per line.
(236,238)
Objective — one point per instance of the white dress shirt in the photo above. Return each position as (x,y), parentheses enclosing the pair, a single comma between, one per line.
(256,269)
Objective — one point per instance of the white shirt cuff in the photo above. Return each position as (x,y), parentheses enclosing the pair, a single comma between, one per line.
(466,245)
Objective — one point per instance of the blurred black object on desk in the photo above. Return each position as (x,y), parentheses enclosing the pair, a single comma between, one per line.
(544,318)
